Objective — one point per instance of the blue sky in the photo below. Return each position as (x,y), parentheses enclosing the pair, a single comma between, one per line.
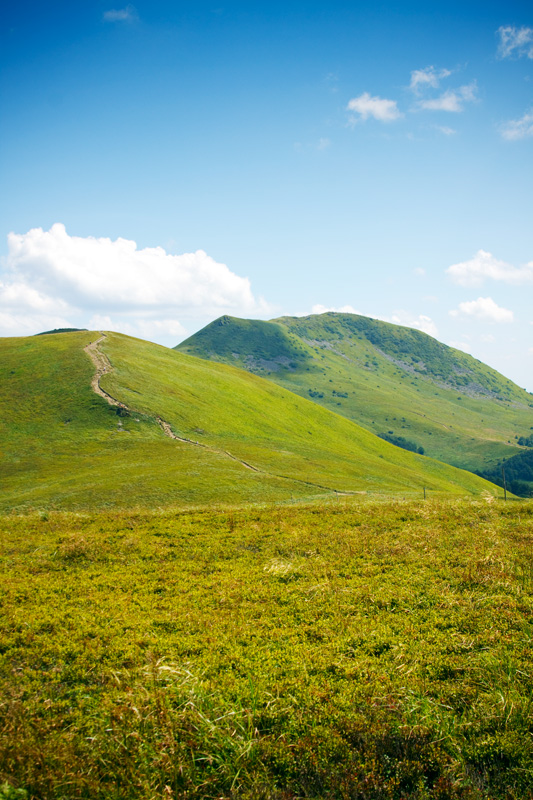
(163,163)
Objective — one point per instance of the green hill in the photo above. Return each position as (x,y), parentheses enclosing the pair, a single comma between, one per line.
(395,381)
(182,431)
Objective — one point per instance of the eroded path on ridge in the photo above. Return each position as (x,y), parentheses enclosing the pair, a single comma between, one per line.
(103,367)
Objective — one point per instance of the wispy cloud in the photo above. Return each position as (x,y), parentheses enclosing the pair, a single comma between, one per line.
(483,309)
(515,42)
(421,322)
(518,128)
(445,130)
(332,82)
(466,347)
(126,14)
(306,147)
(483,266)
(377,107)
(452,99)
(427,78)
(319,309)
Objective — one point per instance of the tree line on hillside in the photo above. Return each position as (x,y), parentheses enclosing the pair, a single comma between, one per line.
(400,441)
(518,472)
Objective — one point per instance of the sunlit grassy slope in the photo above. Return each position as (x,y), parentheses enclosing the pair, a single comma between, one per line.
(63,444)
(385,377)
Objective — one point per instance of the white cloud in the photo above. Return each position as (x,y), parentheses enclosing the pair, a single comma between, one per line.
(323,144)
(427,78)
(452,99)
(421,322)
(152,329)
(405,318)
(20,295)
(485,309)
(50,275)
(127,14)
(515,41)
(466,347)
(27,324)
(518,128)
(419,271)
(484,266)
(319,309)
(377,107)
(445,130)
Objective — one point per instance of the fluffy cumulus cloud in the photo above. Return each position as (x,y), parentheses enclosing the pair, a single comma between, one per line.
(452,99)
(483,309)
(379,108)
(515,42)
(52,279)
(427,78)
(521,128)
(483,266)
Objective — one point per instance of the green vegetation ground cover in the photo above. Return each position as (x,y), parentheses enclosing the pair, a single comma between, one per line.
(343,650)
(63,446)
(266,426)
(384,377)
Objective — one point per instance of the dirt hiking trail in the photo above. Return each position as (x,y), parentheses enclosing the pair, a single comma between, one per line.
(103,367)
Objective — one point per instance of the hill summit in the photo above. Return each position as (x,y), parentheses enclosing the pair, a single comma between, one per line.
(397,382)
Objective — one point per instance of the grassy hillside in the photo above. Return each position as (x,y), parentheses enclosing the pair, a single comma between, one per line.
(248,439)
(374,651)
(391,380)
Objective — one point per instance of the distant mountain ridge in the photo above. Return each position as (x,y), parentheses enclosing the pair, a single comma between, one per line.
(393,380)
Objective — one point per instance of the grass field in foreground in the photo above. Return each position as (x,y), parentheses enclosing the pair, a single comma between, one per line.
(370,650)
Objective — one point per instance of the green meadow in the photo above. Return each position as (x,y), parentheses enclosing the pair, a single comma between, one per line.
(349,649)
(259,605)
(243,438)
